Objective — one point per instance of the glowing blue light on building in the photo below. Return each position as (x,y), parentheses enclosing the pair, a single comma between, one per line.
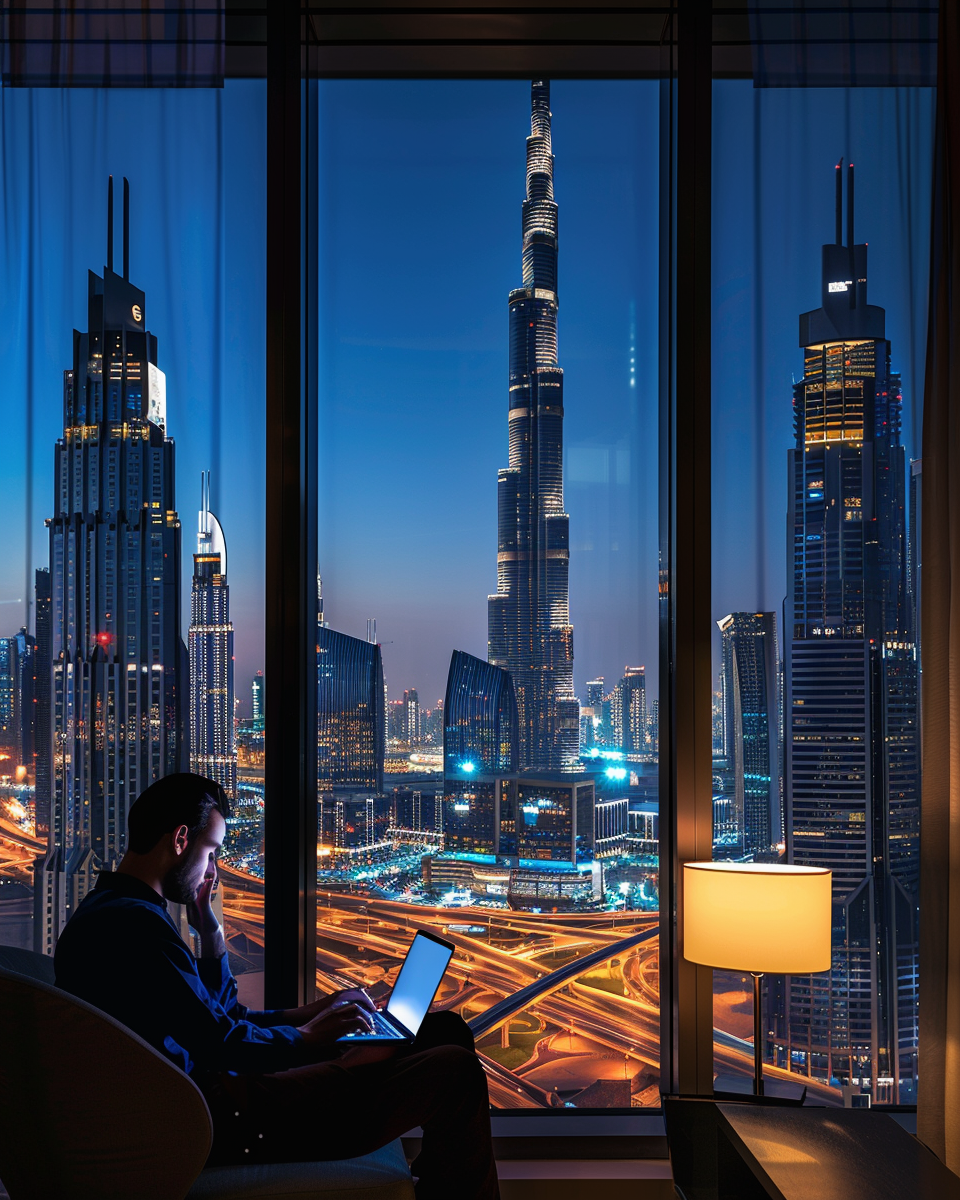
(617,773)
(468,767)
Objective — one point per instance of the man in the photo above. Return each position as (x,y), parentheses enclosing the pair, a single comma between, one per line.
(278,1086)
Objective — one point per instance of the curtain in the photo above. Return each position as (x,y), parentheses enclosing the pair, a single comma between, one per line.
(938,1117)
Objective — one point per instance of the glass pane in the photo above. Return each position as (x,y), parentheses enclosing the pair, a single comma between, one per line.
(133,628)
(487,670)
(816,442)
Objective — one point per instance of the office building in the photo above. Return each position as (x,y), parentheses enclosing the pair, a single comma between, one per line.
(119,663)
(17,708)
(529,630)
(411,717)
(42,681)
(354,828)
(628,712)
(852,775)
(751,725)
(213,751)
(351,738)
(256,700)
(610,826)
(481,728)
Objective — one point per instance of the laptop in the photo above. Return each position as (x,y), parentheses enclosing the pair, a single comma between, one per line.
(413,992)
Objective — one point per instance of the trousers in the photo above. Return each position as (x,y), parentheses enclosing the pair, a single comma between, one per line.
(330,1111)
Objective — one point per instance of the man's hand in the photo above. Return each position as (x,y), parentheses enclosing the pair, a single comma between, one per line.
(300,1016)
(201,916)
(334,1021)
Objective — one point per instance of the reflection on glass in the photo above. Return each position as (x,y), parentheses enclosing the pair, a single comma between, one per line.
(816,715)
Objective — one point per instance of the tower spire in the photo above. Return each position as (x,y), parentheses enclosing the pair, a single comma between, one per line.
(850,241)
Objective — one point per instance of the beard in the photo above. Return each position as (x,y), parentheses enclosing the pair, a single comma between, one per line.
(175,886)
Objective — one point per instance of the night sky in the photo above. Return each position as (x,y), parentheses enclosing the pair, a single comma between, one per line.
(421,187)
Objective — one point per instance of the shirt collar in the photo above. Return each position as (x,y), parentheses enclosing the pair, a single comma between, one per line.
(129,885)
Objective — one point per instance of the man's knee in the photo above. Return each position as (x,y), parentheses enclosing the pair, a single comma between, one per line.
(445,1029)
(459,1066)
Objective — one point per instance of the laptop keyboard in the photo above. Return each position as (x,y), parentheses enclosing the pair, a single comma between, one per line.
(381,1028)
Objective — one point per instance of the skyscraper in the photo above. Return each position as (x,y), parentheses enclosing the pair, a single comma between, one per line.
(44,674)
(17,715)
(629,711)
(119,662)
(529,630)
(351,737)
(852,755)
(480,732)
(751,725)
(213,750)
(411,717)
(256,700)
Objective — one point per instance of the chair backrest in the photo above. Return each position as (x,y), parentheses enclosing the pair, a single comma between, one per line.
(29,963)
(87,1108)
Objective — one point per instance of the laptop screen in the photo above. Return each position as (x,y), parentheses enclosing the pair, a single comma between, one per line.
(418,981)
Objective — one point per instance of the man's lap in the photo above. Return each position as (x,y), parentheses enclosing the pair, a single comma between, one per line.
(330,1110)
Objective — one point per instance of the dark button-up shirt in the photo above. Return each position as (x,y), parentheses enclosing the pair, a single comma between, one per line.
(121,952)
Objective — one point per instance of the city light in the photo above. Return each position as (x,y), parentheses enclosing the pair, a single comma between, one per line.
(468,768)
(617,773)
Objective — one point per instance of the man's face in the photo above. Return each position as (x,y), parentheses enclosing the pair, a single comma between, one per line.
(182,882)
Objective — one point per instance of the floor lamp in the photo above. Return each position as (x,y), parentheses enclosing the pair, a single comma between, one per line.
(765,918)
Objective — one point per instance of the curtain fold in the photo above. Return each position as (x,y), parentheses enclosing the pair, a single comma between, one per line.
(938,1117)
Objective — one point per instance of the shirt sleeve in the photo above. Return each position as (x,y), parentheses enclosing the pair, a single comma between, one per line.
(219,981)
(194,1015)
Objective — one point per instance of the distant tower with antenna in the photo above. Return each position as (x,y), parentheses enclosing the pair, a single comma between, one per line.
(118,664)
(213,749)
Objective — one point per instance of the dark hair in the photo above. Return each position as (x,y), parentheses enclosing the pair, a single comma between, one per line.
(175,800)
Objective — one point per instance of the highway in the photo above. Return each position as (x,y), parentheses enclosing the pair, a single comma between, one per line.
(598,1022)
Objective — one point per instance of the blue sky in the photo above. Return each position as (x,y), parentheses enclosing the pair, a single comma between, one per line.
(421,186)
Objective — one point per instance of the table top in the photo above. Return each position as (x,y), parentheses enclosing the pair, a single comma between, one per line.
(834,1154)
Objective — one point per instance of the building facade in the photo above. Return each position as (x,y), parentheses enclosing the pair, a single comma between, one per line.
(852,775)
(213,750)
(351,739)
(481,730)
(529,630)
(119,663)
(751,726)
(42,683)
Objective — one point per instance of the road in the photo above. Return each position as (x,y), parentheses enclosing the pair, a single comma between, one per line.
(605,1020)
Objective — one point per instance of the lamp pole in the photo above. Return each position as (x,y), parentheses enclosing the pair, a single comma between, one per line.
(757,1035)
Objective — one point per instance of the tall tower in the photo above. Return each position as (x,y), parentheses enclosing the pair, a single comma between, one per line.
(529,630)
(42,690)
(213,750)
(852,774)
(119,662)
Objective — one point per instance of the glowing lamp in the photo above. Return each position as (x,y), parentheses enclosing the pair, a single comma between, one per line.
(765,918)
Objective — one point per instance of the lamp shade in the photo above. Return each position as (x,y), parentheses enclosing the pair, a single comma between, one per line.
(761,917)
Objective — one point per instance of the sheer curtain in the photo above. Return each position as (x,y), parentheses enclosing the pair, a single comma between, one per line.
(938,1115)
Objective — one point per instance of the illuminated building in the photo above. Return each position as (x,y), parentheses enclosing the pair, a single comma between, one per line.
(17,716)
(852,782)
(751,725)
(411,717)
(44,672)
(555,818)
(529,630)
(628,712)
(213,750)
(256,700)
(355,828)
(610,832)
(480,730)
(350,713)
(119,662)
